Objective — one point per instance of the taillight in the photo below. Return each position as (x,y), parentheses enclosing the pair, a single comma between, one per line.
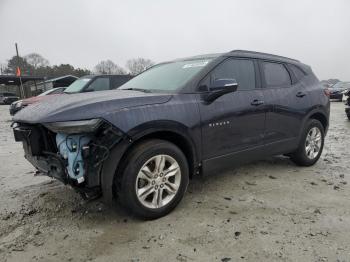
(327,92)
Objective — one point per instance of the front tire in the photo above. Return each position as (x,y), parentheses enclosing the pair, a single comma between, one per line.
(311,144)
(154,179)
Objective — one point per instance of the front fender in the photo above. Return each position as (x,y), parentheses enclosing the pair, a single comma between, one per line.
(150,129)
(109,168)
(161,126)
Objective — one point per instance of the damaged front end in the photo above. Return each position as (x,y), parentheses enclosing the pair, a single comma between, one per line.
(72,152)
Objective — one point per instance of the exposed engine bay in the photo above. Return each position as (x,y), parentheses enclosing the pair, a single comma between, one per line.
(73,158)
(74,149)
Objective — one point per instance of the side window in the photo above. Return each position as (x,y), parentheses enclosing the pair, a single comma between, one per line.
(99,84)
(118,81)
(240,69)
(297,72)
(276,75)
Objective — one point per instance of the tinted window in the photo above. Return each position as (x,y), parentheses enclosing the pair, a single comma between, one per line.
(99,84)
(297,72)
(276,75)
(239,69)
(117,81)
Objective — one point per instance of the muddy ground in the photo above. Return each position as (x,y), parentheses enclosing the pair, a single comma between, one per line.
(270,210)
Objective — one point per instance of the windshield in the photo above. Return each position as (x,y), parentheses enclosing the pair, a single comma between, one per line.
(166,77)
(341,85)
(78,85)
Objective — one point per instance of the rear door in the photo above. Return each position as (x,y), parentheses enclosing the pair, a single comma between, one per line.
(287,102)
(233,122)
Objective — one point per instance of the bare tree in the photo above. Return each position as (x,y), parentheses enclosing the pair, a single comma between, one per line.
(108,67)
(14,62)
(36,60)
(138,65)
(3,68)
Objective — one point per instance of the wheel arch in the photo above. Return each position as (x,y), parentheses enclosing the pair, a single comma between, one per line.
(316,113)
(322,118)
(173,132)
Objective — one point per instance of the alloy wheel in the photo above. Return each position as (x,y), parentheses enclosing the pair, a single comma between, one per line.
(313,143)
(158,181)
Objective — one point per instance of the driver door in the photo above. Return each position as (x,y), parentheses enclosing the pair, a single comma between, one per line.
(233,124)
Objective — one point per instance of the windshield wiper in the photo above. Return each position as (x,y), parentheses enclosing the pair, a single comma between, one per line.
(138,89)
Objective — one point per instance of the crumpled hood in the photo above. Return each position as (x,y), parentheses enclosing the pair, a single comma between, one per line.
(90,105)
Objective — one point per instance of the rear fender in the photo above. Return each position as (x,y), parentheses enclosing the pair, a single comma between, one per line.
(315,110)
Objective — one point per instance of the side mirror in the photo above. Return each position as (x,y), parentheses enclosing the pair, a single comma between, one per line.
(221,87)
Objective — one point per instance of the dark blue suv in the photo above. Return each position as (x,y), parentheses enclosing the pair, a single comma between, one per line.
(140,144)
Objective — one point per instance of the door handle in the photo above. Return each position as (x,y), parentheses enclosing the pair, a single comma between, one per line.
(300,94)
(257,102)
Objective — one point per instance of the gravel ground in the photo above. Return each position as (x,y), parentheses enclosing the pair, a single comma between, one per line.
(269,210)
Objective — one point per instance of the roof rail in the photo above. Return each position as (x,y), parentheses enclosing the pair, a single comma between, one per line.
(260,53)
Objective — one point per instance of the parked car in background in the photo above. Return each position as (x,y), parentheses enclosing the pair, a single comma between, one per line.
(140,144)
(7,98)
(347,103)
(92,83)
(337,90)
(20,104)
(345,96)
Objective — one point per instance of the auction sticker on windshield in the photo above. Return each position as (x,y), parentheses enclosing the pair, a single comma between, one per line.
(197,64)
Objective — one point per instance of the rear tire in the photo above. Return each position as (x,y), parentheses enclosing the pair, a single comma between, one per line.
(311,144)
(154,179)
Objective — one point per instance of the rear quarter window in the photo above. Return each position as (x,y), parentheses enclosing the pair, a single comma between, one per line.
(298,73)
(276,75)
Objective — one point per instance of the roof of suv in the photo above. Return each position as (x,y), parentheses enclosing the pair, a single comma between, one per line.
(245,53)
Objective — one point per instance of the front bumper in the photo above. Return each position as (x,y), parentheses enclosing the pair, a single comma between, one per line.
(45,161)
(69,158)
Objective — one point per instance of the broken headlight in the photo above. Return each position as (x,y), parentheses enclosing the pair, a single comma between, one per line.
(75,127)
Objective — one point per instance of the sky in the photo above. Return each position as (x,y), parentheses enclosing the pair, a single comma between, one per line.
(84,32)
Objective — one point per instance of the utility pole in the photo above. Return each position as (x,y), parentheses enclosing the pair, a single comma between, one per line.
(19,70)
